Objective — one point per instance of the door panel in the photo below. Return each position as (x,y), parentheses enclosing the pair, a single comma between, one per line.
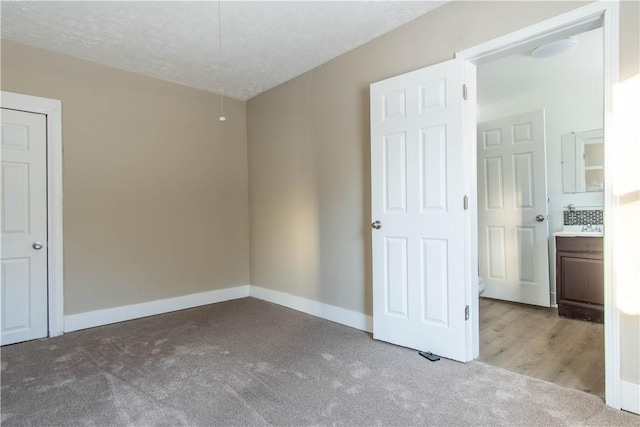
(433,168)
(396,279)
(15,188)
(523,177)
(15,272)
(525,253)
(23,222)
(395,171)
(512,191)
(436,293)
(494,183)
(417,156)
(497,253)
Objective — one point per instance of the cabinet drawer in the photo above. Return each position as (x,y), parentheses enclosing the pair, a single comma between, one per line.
(579,244)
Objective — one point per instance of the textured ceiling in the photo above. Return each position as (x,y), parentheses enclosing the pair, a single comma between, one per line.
(264,43)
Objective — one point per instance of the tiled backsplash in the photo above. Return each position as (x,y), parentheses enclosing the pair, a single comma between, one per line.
(583,217)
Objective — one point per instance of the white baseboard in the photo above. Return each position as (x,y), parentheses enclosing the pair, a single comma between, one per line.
(314,308)
(90,319)
(630,396)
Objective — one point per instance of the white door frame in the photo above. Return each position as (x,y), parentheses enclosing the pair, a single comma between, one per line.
(599,14)
(52,108)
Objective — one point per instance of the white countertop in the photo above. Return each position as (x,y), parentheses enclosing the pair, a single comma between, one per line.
(578,234)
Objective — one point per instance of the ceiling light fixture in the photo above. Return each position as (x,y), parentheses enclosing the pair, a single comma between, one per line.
(222,117)
(555,48)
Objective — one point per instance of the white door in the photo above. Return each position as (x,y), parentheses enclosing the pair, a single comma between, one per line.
(512,209)
(24,227)
(418,184)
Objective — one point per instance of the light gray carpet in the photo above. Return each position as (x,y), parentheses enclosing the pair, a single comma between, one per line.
(248,362)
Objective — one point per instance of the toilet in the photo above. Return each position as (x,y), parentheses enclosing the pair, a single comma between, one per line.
(481,286)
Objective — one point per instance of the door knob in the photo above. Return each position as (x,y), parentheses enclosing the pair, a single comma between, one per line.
(539,218)
(37,246)
(376,224)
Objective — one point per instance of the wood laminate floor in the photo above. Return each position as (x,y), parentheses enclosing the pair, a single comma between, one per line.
(534,341)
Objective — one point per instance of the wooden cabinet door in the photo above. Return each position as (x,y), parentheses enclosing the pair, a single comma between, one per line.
(580,280)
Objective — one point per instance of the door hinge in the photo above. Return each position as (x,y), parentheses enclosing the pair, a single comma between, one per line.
(464,91)
(465,203)
(466,313)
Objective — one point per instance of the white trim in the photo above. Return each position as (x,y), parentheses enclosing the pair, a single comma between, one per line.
(52,108)
(598,14)
(611,32)
(91,319)
(630,400)
(570,23)
(471,221)
(315,308)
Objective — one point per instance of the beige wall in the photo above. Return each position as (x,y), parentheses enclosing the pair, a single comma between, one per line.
(309,153)
(155,187)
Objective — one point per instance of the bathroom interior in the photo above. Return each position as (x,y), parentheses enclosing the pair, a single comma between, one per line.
(540,212)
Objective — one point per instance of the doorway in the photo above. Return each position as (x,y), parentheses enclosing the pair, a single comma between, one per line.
(581,20)
(32,122)
(390,104)
(527,106)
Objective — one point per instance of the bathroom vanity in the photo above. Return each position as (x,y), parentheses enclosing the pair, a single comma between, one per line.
(580,276)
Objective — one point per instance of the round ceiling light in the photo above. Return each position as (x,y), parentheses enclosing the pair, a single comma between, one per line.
(555,48)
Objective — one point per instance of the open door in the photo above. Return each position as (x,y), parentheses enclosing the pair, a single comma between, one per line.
(420,183)
(512,208)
